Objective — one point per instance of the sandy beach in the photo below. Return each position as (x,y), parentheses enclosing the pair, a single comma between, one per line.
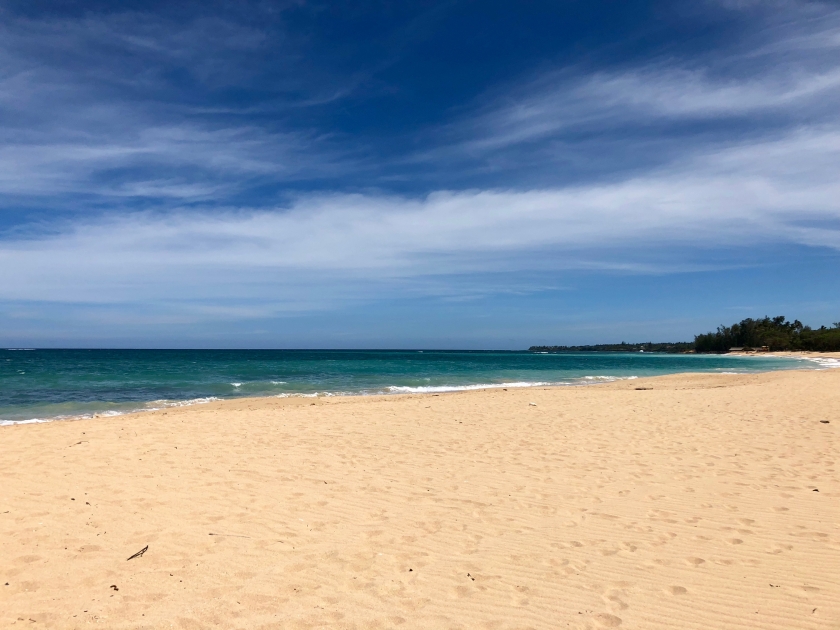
(689,501)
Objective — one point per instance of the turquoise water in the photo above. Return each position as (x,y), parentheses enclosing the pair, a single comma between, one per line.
(50,384)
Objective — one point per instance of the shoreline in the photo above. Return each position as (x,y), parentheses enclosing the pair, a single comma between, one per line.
(685,500)
(793,354)
(578,382)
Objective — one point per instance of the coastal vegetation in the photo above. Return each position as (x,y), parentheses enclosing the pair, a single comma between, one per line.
(769,334)
(773,334)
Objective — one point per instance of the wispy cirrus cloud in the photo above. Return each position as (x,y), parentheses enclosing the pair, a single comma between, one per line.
(184,161)
(134,105)
(582,122)
(654,95)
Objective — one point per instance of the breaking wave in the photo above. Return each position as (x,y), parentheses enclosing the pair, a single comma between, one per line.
(826,362)
(155,405)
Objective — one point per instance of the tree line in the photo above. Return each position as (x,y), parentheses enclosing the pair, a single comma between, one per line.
(773,334)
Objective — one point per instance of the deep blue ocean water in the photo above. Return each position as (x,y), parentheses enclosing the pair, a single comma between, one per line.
(50,384)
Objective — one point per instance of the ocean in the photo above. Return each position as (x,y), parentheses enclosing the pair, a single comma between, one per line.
(41,385)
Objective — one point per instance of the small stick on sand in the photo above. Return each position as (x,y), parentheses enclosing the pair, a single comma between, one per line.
(139,554)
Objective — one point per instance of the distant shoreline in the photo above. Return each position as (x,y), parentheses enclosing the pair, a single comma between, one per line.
(748,353)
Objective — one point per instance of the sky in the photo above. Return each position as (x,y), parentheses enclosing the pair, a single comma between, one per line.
(449,174)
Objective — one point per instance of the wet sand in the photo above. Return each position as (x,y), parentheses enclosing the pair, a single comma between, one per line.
(706,501)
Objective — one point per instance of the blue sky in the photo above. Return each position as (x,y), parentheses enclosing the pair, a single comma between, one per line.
(450,174)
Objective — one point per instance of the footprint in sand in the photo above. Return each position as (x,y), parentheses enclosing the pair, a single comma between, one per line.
(734,541)
(695,561)
(607,621)
(461,591)
(779,548)
(27,559)
(616,601)
(520,595)
(677,590)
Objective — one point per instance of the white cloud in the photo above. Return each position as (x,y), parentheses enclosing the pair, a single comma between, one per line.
(784,191)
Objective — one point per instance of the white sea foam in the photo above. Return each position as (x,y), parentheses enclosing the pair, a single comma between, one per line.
(237,384)
(79,416)
(8,423)
(826,362)
(279,382)
(155,405)
(459,388)
(608,379)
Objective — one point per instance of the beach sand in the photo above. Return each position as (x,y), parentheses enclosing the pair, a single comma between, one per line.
(708,501)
